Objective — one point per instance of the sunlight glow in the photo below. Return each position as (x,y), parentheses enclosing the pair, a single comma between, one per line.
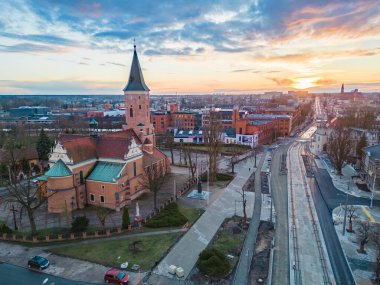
(304,83)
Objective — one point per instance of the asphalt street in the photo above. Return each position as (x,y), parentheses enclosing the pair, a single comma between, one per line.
(326,197)
(11,274)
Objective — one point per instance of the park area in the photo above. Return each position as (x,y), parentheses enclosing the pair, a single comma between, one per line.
(143,247)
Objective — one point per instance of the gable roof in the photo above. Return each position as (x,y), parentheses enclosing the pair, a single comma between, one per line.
(79,148)
(152,158)
(106,171)
(112,147)
(19,154)
(125,134)
(59,169)
(136,80)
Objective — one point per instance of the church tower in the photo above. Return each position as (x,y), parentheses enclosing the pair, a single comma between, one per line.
(137,112)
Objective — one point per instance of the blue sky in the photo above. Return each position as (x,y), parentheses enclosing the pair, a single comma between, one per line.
(85,47)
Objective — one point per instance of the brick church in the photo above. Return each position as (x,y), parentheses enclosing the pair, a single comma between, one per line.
(104,169)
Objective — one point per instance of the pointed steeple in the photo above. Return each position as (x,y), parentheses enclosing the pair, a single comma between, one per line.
(136,79)
(342,89)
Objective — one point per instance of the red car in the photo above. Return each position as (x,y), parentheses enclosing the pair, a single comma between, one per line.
(116,276)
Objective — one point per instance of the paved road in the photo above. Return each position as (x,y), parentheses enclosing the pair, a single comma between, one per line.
(326,198)
(332,196)
(280,273)
(11,274)
(245,259)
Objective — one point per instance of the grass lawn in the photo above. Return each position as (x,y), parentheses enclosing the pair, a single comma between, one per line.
(229,243)
(168,217)
(190,213)
(148,251)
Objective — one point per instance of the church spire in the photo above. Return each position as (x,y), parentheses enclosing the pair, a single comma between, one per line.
(342,89)
(136,80)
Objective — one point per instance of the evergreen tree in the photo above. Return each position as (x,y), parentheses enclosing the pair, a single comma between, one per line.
(361,144)
(126,219)
(44,145)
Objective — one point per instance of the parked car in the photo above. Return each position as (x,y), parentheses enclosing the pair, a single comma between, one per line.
(38,262)
(116,276)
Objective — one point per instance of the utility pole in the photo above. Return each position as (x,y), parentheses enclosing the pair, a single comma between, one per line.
(13,210)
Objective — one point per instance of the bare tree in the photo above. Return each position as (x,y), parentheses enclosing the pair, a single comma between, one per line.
(169,144)
(244,204)
(376,240)
(339,147)
(212,131)
(188,158)
(363,233)
(102,213)
(27,195)
(153,179)
(351,209)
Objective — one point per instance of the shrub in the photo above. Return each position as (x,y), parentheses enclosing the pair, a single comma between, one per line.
(219,177)
(224,177)
(213,263)
(126,218)
(80,224)
(4,229)
(168,217)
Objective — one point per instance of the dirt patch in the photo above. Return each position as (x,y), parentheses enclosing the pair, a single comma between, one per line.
(260,261)
(249,186)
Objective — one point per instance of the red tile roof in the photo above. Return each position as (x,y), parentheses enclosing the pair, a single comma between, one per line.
(80,148)
(112,147)
(19,154)
(126,134)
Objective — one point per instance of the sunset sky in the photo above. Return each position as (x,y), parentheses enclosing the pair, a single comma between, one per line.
(197,46)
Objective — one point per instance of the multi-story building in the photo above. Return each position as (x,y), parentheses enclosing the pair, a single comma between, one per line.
(370,167)
(105,169)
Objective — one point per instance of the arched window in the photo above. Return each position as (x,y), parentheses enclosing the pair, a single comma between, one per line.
(81,180)
(131,112)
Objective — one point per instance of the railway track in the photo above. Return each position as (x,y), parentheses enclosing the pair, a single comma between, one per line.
(297,171)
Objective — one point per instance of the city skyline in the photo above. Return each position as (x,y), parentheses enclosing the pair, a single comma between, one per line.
(50,47)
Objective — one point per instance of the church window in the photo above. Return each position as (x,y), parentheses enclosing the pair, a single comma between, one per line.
(131,112)
(134,169)
(81,180)
(140,107)
(102,200)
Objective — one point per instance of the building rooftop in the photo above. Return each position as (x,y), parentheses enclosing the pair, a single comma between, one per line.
(267,116)
(373,151)
(59,169)
(106,171)
(136,80)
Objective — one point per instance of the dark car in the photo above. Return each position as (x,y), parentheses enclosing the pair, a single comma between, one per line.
(38,262)
(116,276)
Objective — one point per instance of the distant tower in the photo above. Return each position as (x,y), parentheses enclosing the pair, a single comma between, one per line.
(137,112)
(342,89)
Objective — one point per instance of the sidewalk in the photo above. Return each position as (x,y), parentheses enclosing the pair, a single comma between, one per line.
(185,253)
(345,183)
(361,265)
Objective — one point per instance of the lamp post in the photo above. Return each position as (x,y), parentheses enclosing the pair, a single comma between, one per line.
(345,210)
(373,189)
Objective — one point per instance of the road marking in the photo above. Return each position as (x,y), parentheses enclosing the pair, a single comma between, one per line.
(46,280)
(368,214)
